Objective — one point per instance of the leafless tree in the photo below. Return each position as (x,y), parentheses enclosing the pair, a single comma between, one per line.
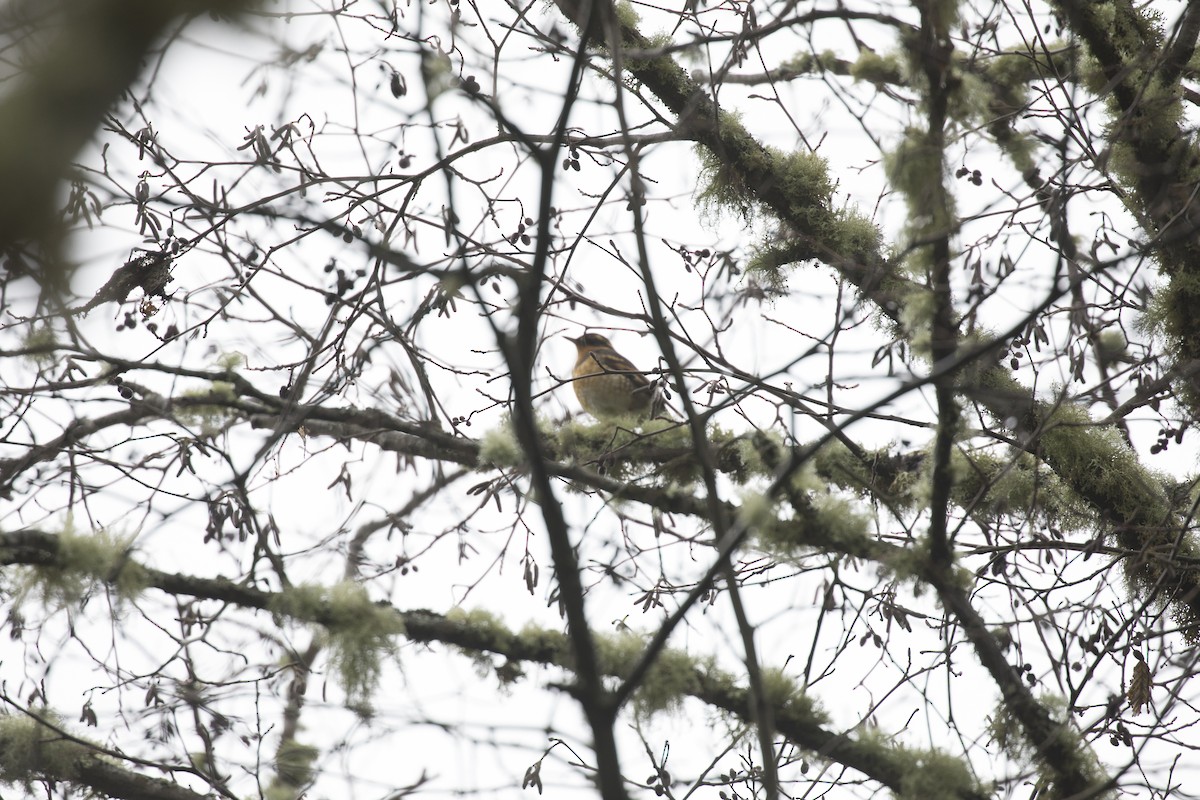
(297,500)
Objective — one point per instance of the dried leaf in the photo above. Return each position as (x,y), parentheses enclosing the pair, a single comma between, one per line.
(1139,687)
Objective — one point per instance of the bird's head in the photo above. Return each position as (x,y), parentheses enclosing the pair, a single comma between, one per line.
(590,341)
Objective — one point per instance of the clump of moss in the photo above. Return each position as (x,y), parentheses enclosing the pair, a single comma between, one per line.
(1017,486)
(41,341)
(552,645)
(499,447)
(829,521)
(1010,736)
(1099,464)
(878,69)
(483,625)
(928,774)
(789,700)
(627,15)
(842,521)
(624,445)
(295,766)
(756,510)
(915,167)
(856,237)
(672,678)
(203,408)
(934,775)
(81,562)
(804,178)
(35,751)
(359,632)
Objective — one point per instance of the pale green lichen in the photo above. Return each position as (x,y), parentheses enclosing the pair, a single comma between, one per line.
(749,454)
(499,447)
(674,676)
(831,522)
(720,185)
(789,699)
(627,15)
(988,485)
(909,563)
(836,462)
(35,751)
(757,510)
(971,99)
(647,57)
(928,773)
(768,258)
(41,341)
(842,521)
(625,446)
(231,360)
(206,409)
(295,764)
(916,168)
(778,689)
(916,317)
(359,632)
(804,177)
(483,624)
(81,562)
(743,457)
(806,479)
(277,790)
(878,69)
(1009,735)
(611,442)
(857,238)
(1016,487)
(551,643)
(935,775)
(1100,464)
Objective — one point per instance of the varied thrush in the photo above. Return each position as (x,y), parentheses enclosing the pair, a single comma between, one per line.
(609,385)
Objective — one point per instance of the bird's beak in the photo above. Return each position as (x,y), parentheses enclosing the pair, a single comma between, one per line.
(572,340)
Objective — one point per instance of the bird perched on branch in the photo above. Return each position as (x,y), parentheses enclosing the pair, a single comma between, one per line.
(609,385)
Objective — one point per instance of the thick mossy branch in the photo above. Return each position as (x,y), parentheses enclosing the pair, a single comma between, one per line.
(208,409)
(1100,468)
(1145,517)
(32,751)
(988,486)
(803,177)
(1010,737)
(854,235)
(478,633)
(632,448)
(1154,153)
(678,676)
(1163,173)
(673,677)
(795,189)
(931,774)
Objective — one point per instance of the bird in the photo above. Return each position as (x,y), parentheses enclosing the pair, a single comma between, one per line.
(607,383)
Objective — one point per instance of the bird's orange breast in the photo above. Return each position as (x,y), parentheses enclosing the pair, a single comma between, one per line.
(610,389)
